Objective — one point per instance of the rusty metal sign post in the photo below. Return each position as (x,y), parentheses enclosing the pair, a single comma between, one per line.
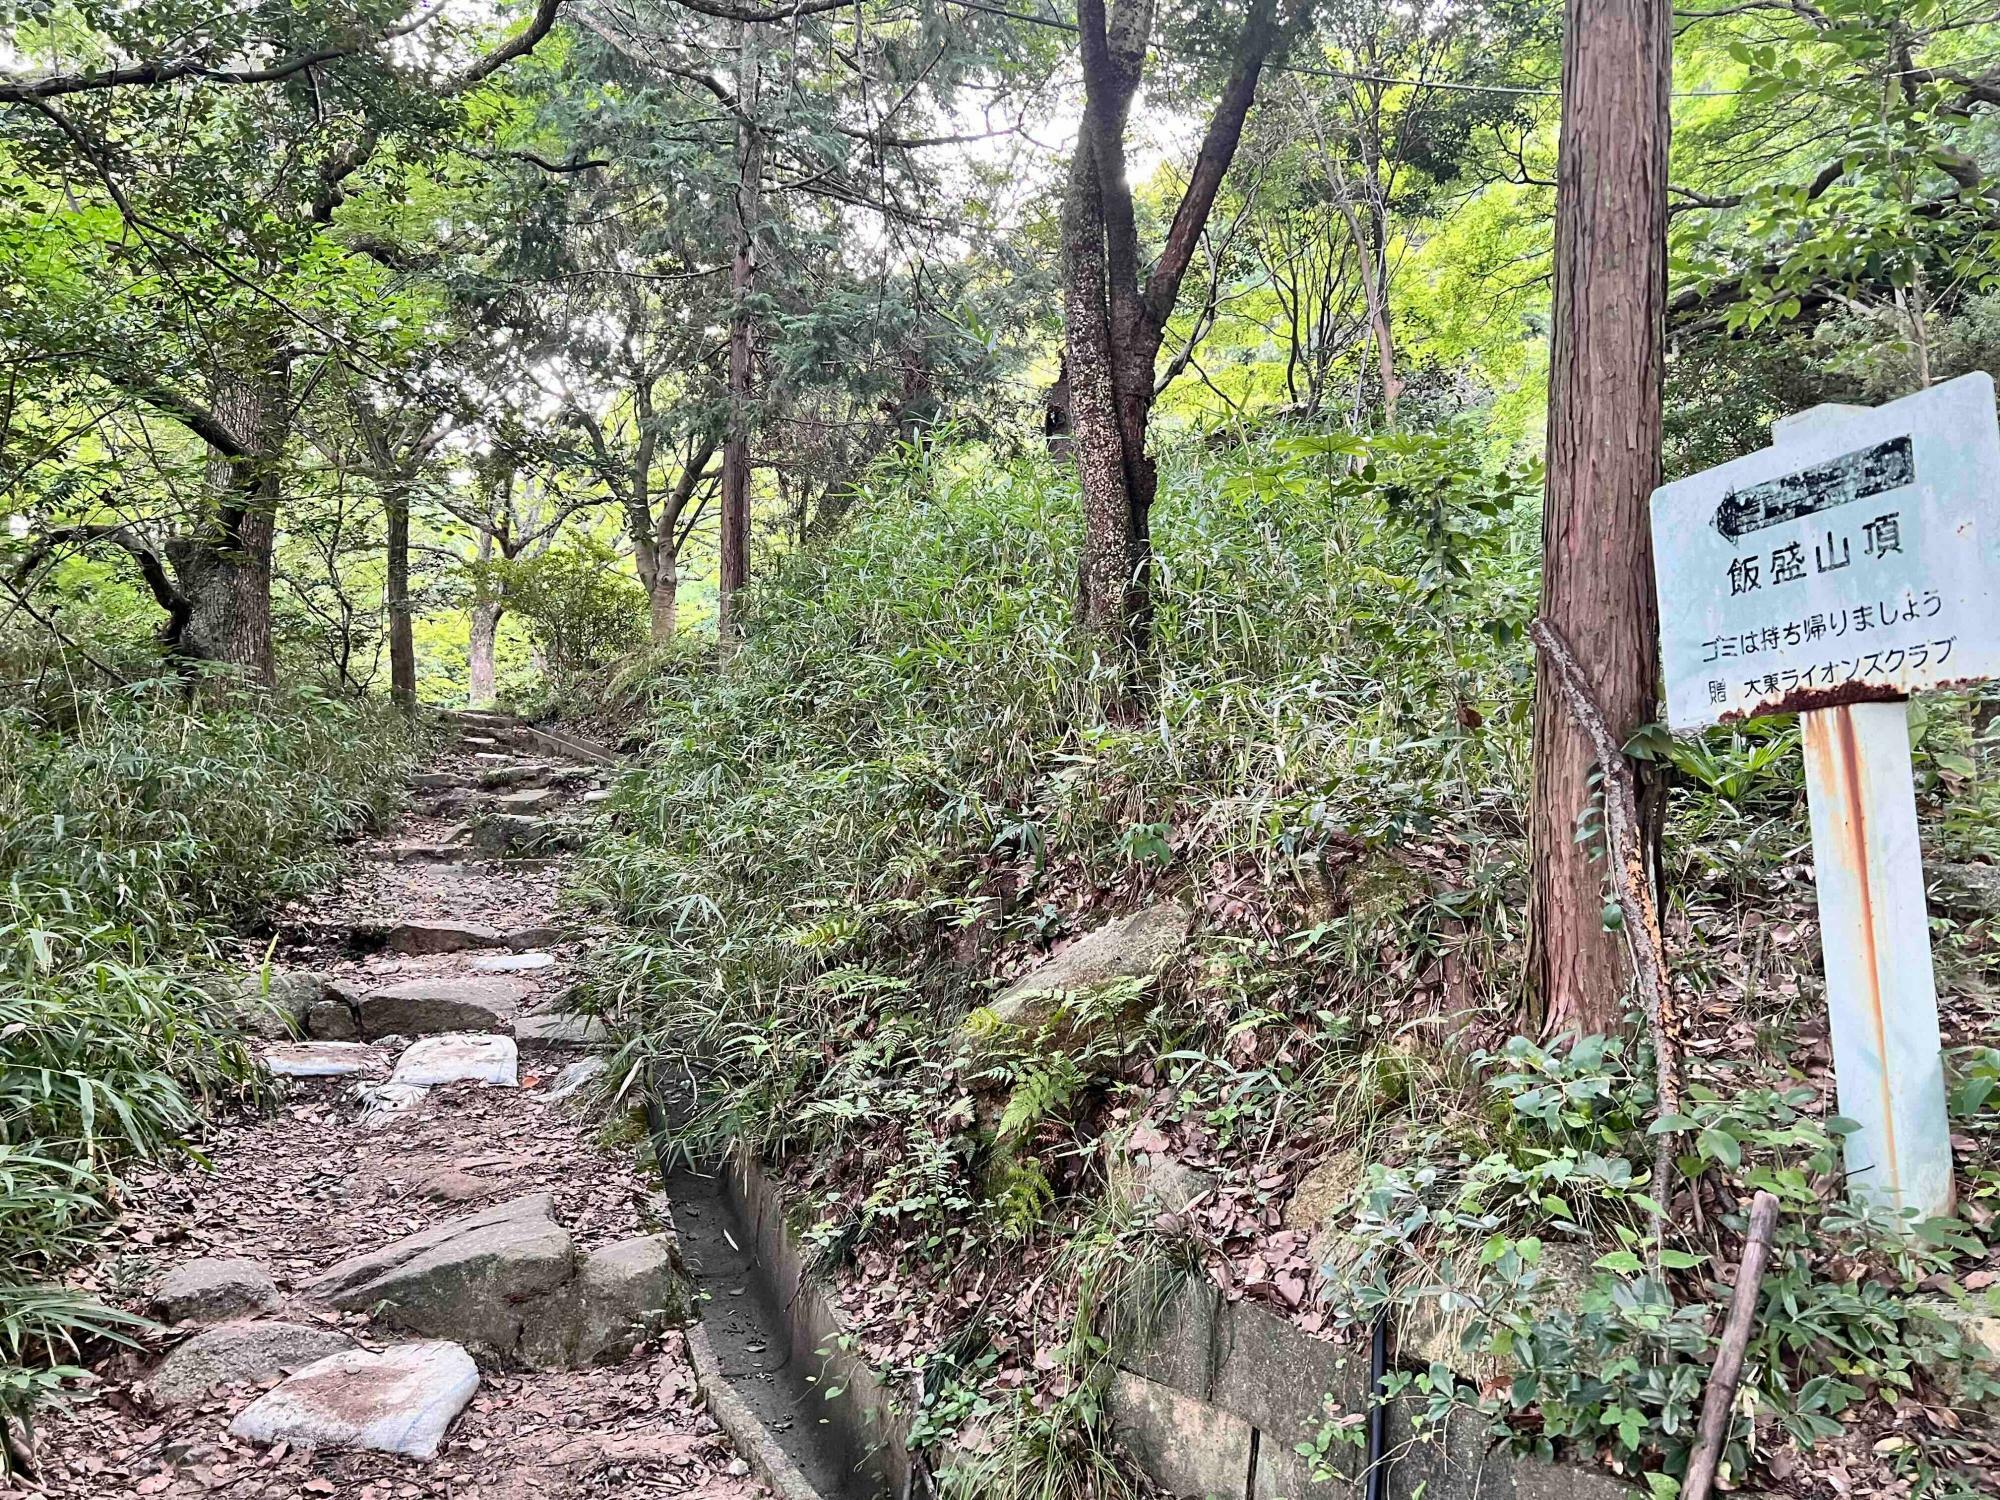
(1850,564)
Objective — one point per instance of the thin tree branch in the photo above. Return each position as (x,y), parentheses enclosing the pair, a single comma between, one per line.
(1634,895)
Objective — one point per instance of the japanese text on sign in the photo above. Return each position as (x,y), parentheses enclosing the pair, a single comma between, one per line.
(1861,563)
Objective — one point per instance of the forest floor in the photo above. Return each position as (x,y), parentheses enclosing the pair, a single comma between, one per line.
(307,1182)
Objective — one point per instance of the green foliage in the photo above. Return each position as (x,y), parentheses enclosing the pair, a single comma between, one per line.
(583,609)
(1602,1348)
(135,826)
(912,727)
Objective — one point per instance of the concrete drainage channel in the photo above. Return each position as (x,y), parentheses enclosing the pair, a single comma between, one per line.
(766,1348)
(1211,1398)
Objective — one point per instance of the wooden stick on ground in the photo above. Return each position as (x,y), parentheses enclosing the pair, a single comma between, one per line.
(1712,1436)
(1634,895)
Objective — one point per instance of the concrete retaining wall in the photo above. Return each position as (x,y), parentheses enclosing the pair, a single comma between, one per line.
(1213,1399)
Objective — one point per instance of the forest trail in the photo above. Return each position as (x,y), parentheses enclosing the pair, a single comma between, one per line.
(391,1201)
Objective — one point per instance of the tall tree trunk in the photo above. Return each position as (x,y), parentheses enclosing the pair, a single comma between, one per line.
(479,654)
(402,638)
(224,568)
(1107,564)
(1603,464)
(1115,318)
(735,541)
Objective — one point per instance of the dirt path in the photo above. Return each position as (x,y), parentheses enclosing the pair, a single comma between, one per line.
(343,1166)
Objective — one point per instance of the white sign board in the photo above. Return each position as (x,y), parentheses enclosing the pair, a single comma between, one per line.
(1857,562)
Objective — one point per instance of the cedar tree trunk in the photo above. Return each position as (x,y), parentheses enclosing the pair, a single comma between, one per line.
(1603,463)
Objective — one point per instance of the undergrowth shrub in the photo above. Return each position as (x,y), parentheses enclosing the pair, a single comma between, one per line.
(913,742)
(137,829)
(911,780)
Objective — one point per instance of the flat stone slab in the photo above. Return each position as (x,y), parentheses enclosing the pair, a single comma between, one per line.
(398,1401)
(459,1058)
(510,963)
(241,1354)
(422,1007)
(440,937)
(527,799)
(470,1279)
(523,938)
(214,1289)
(322,1059)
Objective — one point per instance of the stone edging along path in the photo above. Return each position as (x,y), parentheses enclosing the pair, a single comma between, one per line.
(424,1272)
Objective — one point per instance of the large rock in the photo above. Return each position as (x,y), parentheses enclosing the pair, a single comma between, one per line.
(1142,1172)
(322,1059)
(620,1294)
(332,1020)
(459,1058)
(214,1289)
(422,1007)
(1139,946)
(470,1279)
(398,1401)
(385,1103)
(440,937)
(575,1077)
(240,1354)
(521,939)
(274,1006)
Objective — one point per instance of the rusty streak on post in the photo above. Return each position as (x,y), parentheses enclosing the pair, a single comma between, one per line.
(1840,723)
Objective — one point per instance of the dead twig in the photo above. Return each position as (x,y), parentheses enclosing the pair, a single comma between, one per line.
(1713,1432)
(1633,892)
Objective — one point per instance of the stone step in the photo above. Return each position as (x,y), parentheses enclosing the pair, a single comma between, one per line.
(441,1003)
(425,936)
(459,1057)
(322,1059)
(242,1353)
(400,1400)
(510,963)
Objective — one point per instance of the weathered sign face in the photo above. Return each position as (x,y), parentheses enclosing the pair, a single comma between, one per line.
(1859,563)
